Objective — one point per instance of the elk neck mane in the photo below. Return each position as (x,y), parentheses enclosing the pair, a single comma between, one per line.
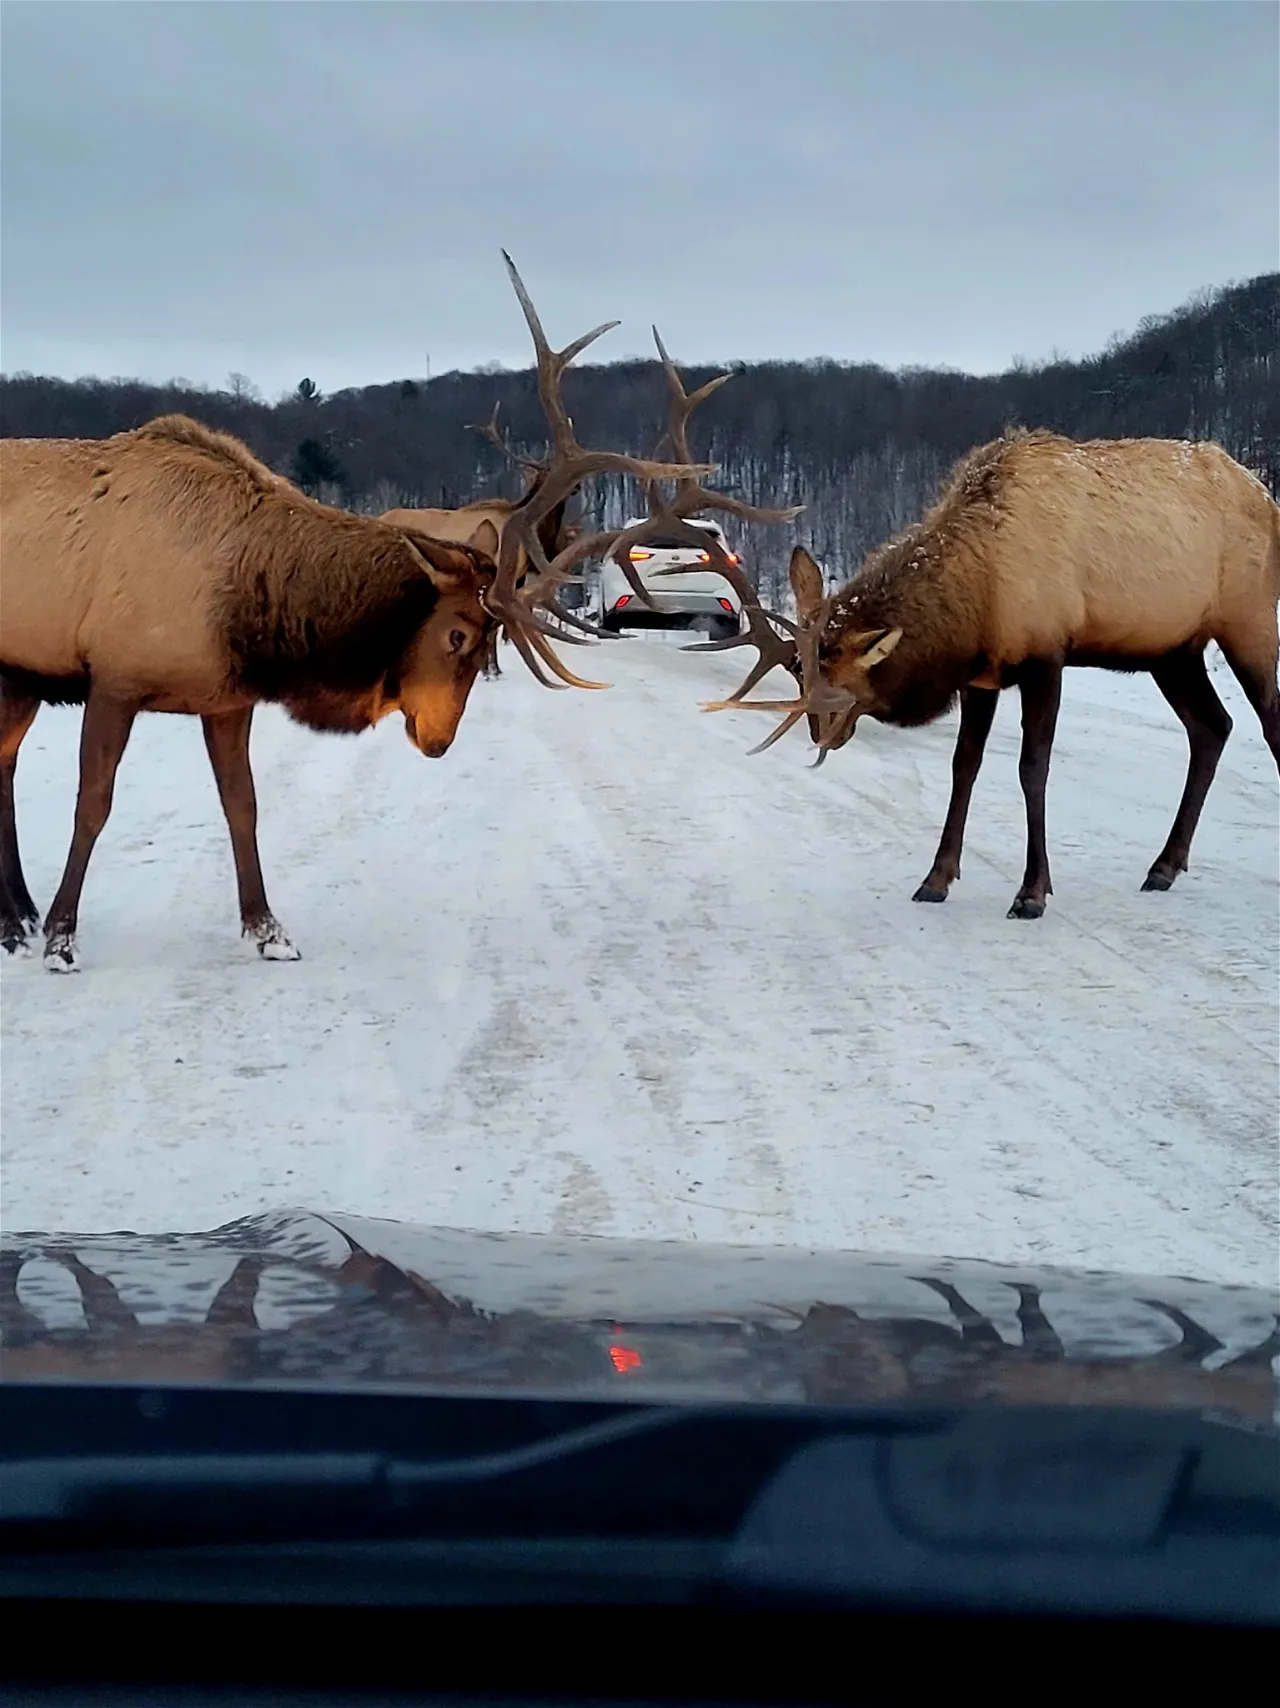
(305,595)
(207,443)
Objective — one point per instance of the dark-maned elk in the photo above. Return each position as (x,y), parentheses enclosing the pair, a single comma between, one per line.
(167,569)
(1126,554)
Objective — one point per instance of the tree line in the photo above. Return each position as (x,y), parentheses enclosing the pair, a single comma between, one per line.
(863,448)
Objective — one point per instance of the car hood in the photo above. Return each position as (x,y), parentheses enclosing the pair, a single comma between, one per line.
(343,1302)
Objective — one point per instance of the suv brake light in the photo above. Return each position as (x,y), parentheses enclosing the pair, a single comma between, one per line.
(621,600)
(727,605)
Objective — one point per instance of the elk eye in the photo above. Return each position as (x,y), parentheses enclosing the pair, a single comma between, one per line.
(457,640)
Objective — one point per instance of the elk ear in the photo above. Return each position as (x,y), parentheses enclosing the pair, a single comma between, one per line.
(485,539)
(447,566)
(875,646)
(806,582)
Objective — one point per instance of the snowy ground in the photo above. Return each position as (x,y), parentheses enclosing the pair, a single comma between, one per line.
(599,972)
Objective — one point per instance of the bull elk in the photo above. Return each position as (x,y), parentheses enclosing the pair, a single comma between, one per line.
(166,569)
(1043,552)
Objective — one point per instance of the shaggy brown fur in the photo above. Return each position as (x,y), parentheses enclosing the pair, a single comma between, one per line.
(167,569)
(1129,554)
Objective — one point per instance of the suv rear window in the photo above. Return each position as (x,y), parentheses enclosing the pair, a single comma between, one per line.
(665,543)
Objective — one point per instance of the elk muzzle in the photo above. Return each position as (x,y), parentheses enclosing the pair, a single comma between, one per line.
(431,728)
(840,727)
(430,746)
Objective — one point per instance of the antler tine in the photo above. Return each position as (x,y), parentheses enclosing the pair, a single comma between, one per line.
(834,707)
(552,363)
(516,607)
(763,626)
(682,407)
(571,465)
(491,431)
(552,576)
(560,358)
(516,610)
(773,649)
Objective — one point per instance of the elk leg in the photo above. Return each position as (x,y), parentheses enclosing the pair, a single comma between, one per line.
(104,734)
(1040,682)
(226,736)
(17,910)
(977,709)
(1184,682)
(1257,676)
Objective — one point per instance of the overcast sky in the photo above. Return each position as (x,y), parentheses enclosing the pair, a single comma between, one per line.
(191,187)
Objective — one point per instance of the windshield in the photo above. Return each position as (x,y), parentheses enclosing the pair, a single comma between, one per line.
(440,952)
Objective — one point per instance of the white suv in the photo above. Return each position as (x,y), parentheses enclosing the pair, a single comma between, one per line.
(700,599)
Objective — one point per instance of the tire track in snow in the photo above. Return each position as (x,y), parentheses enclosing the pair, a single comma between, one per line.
(600,972)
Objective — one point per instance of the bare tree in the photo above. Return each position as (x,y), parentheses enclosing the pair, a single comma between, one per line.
(242,389)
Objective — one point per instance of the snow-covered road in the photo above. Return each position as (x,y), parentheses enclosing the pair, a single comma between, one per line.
(599,972)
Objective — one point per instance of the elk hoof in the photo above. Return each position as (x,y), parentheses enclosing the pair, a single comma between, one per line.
(1159,880)
(272,941)
(279,949)
(60,954)
(14,943)
(931,892)
(1026,907)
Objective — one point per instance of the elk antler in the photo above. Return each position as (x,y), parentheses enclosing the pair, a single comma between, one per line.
(818,698)
(531,467)
(691,497)
(534,470)
(569,466)
(797,643)
(796,648)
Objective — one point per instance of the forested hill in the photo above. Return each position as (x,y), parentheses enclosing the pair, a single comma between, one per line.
(861,447)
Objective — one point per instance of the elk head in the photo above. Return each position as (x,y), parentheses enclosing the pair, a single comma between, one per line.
(845,656)
(831,661)
(438,668)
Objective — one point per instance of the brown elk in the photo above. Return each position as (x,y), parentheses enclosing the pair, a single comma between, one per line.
(1043,552)
(167,569)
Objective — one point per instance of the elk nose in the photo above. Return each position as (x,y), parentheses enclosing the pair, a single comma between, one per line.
(429,749)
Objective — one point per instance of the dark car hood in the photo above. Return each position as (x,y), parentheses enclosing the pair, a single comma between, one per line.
(343,1302)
